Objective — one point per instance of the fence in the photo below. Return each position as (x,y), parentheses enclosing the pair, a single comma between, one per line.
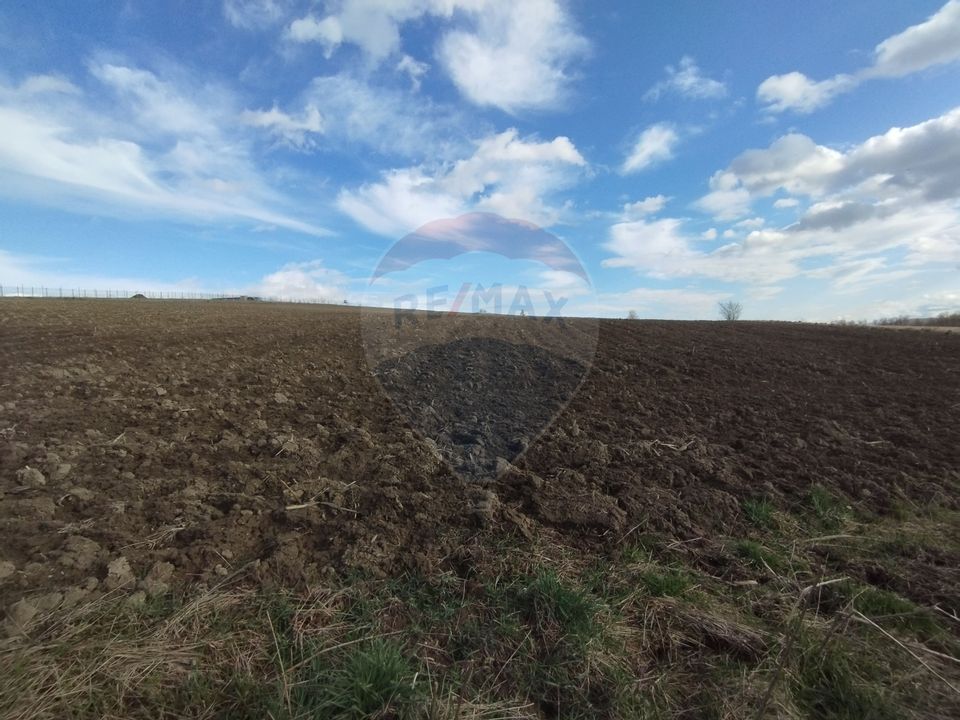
(28,291)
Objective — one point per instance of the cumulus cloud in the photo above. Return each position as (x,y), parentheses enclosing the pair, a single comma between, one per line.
(795,91)
(514,56)
(517,56)
(310,280)
(726,199)
(687,80)
(328,32)
(506,174)
(154,149)
(917,163)
(783,203)
(374,27)
(664,249)
(895,195)
(654,145)
(293,131)
(648,206)
(933,42)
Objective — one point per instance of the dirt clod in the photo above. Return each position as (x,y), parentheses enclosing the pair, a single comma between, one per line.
(7,569)
(31,477)
(20,617)
(119,574)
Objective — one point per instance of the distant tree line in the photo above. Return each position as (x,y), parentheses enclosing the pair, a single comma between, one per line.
(944,319)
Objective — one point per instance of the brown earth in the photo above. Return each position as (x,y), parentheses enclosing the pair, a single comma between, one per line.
(166,442)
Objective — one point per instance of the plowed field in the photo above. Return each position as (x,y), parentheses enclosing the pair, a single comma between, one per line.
(150,447)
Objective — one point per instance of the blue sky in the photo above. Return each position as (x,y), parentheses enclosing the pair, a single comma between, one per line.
(803,158)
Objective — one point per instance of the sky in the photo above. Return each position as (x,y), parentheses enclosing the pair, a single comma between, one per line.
(800,158)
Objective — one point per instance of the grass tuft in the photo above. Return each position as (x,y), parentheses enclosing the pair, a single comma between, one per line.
(829,510)
(892,610)
(759,512)
(758,555)
(832,684)
(547,598)
(371,680)
(666,583)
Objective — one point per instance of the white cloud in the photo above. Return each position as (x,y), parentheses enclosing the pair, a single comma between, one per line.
(648,206)
(294,281)
(373,26)
(37,272)
(505,174)
(921,162)
(726,200)
(255,14)
(896,195)
(414,69)
(514,56)
(883,210)
(293,131)
(390,121)
(709,234)
(661,249)
(152,149)
(563,283)
(687,81)
(304,281)
(41,84)
(517,56)
(933,42)
(328,32)
(927,237)
(795,91)
(782,203)
(163,106)
(653,145)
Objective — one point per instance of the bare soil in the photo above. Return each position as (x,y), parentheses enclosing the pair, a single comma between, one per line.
(195,440)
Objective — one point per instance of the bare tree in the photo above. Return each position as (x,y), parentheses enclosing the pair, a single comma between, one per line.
(730,310)
(632,315)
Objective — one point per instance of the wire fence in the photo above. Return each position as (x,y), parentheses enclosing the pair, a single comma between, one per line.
(36,291)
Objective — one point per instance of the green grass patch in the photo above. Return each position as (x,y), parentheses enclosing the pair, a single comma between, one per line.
(890,610)
(374,679)
(668,582)
(759,511)
(759,556)
(828,509)
(547,598)
(836,683)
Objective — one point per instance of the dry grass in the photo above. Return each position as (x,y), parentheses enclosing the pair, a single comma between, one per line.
(536,630)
